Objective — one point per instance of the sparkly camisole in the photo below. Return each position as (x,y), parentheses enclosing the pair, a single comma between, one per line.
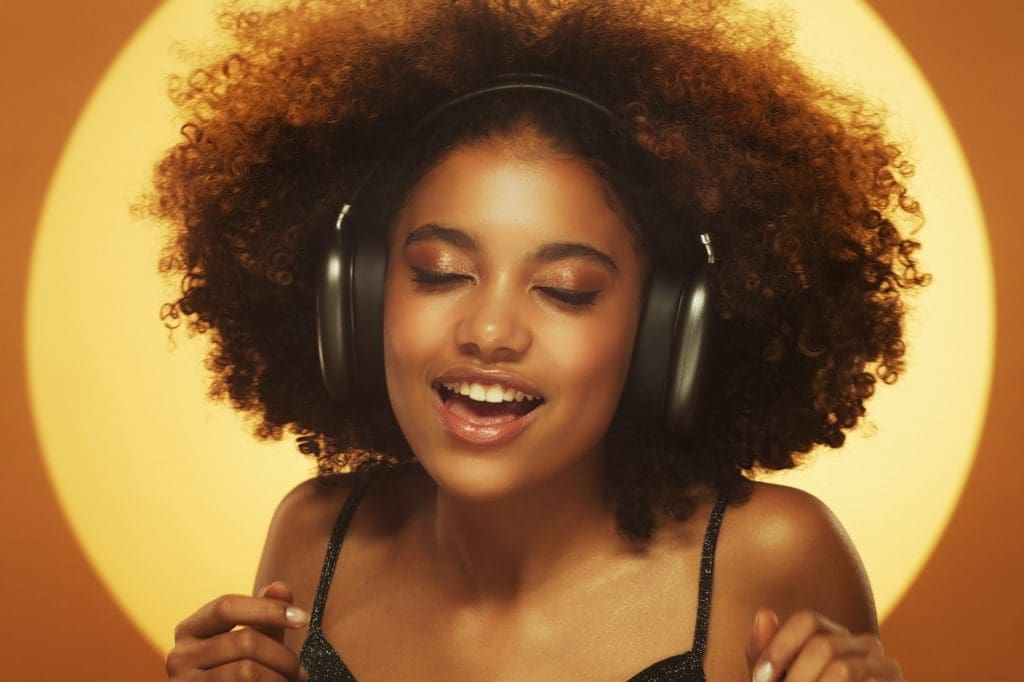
(323,664)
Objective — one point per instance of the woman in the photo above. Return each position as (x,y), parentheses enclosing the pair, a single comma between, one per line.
(502,493)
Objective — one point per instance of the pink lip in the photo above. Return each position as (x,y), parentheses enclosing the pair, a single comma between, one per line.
(473,374)
(475,433)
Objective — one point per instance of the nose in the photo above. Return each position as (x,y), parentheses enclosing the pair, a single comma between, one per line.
(492,327)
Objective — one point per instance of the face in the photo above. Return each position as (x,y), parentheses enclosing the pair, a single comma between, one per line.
(512,280)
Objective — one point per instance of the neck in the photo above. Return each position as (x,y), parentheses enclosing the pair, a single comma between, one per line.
(499,551)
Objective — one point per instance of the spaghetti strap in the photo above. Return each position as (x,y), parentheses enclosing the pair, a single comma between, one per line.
(707,562)
(333,549)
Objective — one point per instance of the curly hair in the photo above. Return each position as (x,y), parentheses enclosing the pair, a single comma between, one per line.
(805,195)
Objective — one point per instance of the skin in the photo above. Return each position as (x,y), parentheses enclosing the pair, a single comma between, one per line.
(502,562)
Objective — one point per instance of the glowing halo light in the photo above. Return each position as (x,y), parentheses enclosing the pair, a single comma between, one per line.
(169,495)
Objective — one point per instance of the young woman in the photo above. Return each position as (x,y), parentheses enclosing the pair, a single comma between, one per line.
(521,476)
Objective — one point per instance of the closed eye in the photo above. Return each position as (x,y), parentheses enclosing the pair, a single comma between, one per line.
(570,297)
(435,278)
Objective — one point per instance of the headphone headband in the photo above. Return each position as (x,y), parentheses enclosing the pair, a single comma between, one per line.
(537,82)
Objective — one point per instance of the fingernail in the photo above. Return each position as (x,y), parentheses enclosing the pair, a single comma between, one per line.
(757,620)
(303,675)
(764,672)
(296,616)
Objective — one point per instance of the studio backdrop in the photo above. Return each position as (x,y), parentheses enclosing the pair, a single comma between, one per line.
(129,499)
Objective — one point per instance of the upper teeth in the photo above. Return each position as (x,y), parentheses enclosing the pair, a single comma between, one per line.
(488,393)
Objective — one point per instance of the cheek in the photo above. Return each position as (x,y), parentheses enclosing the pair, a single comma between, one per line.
(407,338)
(594,355)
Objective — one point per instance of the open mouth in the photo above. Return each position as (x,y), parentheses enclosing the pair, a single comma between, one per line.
(486,404)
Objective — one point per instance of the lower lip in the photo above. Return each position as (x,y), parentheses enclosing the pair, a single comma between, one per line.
(475,433)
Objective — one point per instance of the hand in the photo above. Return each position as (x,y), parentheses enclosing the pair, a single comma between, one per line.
(811,648)
(207,647)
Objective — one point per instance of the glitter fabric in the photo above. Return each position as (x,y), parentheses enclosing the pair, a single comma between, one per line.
(324,664)
(318,657)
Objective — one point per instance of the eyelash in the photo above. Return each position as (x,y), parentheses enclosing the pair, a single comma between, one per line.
(568,297)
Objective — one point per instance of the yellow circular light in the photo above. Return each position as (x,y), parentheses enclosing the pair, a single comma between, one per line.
(171,498)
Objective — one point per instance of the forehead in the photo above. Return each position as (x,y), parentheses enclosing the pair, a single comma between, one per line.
(509,198)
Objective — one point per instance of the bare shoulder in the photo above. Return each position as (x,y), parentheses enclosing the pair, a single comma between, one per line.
(297,541)
(785,548)
(299,530)
(302,524)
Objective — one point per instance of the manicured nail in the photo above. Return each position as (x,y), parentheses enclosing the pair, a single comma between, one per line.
(296,616)
(764,672)
(303,675)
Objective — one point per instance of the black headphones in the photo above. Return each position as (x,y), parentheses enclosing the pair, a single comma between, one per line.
(664,371)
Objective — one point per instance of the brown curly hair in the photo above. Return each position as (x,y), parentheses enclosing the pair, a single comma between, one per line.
(804,194)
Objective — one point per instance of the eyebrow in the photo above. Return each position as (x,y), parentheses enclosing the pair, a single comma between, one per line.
(548,253)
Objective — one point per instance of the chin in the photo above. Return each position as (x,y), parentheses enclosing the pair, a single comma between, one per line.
(482,476)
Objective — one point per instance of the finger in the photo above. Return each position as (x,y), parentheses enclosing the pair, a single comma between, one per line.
(248,644)
(766,623)
(275,590)
(845,670)
(225,612)
(237,645)
(787,642)
(244,670)
(870,669)
(883,670)
(823,651)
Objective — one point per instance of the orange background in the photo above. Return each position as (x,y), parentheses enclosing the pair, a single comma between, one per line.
(961,620)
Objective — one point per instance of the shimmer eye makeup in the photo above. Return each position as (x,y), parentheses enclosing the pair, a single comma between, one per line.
(576,276)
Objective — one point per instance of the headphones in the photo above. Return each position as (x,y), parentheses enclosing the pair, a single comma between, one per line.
(665,368)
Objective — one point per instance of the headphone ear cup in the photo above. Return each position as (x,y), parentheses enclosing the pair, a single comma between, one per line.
(334,328)
(645,384)
(664,372)
(368,261)
(686,361)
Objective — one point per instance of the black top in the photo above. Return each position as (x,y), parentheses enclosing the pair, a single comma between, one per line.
(324,664)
